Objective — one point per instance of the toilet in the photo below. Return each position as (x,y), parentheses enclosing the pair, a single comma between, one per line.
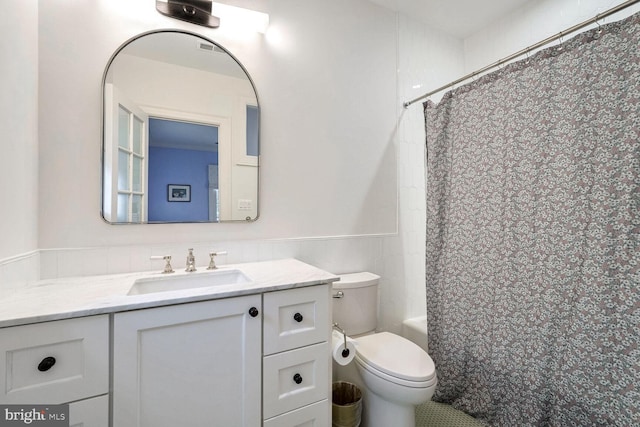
(393,373)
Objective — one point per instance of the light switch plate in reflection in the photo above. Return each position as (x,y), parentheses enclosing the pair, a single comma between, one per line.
(244,204)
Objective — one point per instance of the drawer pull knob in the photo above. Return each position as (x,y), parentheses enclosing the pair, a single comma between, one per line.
(298,317)
(46,364)
(253,312)
(297,378)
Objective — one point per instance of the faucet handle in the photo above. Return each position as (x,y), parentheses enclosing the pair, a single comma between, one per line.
(212,261)
(167,258)
(191,261)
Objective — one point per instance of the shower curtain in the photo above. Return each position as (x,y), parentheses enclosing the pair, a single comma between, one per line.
(533,230)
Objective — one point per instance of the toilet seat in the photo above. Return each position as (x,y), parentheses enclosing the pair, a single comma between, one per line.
(395,359)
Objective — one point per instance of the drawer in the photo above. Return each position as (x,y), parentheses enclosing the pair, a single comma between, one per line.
(77,352)
(295,378)
(90,412)
(295,318)
(315,415)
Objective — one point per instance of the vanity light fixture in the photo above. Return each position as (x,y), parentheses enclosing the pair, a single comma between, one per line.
(200,12)
(194,11)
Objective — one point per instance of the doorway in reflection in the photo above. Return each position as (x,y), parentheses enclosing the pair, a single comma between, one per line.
(182,154)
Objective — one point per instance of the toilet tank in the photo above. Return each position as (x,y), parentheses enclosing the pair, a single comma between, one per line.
(356,311)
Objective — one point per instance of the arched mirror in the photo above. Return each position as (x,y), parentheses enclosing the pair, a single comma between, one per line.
(180,133)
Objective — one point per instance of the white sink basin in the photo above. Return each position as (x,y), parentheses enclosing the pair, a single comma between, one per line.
(193,280)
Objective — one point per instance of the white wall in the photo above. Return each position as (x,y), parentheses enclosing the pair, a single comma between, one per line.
(333,132)
(19,133)
(530,24)
(326,82)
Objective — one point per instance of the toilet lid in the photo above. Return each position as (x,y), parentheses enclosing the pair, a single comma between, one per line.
(395,356)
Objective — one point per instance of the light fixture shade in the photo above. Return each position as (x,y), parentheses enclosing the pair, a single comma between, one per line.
(241,19)
(194,11)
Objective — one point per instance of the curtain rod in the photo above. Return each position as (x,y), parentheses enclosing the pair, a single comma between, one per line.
(548,40)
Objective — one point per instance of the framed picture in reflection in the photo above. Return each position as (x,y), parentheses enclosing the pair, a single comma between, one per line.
(178,193)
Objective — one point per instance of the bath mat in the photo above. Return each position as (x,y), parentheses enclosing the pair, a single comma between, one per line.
(434,414)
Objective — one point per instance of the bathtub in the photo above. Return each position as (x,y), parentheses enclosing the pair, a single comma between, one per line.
(415,329)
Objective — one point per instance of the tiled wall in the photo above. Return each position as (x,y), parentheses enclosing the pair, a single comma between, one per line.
(17,271)
(426,59)
(337,255)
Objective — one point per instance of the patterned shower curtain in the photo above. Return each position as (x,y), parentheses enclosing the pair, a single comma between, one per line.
(533,237)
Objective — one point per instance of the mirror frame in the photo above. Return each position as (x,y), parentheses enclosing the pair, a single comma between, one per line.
(103,128)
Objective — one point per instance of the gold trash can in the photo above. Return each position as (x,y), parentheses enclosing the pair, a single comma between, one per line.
(346,405)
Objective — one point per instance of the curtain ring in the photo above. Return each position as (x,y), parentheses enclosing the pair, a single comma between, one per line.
(560,47)
(597,20)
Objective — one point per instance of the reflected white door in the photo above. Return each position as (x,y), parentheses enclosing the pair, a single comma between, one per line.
(214,206)
(125,171)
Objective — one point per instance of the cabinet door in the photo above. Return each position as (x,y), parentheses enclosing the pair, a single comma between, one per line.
(194,365)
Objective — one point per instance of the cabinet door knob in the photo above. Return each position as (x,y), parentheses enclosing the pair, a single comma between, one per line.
(253,312)
(298,317)
(46,363)
(297,378)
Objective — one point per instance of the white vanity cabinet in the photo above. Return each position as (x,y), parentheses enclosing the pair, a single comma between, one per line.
(63,361)
(296,365)
(244,355)
(195,364)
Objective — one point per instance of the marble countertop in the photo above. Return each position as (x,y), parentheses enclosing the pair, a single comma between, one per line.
(57,299)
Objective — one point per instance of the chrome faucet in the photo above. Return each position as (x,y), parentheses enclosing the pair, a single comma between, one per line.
(167,266)
(191,262)
(212,261)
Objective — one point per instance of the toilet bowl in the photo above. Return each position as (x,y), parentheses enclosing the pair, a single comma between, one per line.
(394,374)
(398,375)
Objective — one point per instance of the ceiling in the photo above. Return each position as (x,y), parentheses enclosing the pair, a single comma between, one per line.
(182,135)
(187,51)
(460,18)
